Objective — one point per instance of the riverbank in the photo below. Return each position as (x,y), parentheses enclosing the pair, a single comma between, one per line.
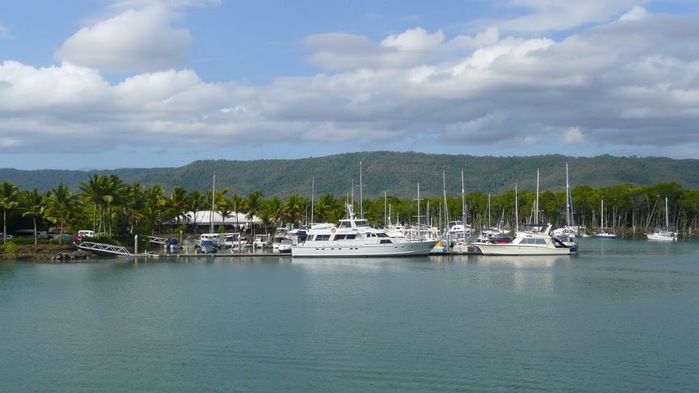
(42,252)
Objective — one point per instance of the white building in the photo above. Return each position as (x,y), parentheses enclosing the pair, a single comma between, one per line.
(204,218)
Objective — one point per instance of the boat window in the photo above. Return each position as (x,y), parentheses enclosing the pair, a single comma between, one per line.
(386,241)
(540,241)
(320,238)
(340,237)
(351,236)
(362,223)
(345,224)
(381,234)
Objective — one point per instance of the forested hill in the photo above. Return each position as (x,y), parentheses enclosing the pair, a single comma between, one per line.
(394,173)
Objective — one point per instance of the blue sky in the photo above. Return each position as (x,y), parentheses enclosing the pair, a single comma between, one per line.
(104,84)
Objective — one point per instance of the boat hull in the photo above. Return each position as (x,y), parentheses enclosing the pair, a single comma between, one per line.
(403,249)
(604,236)
(517,249)
(661,237)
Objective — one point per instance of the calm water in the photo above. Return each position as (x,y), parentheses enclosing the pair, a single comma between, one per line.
(621,317)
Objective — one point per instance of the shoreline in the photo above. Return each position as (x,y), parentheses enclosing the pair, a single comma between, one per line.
(57,253)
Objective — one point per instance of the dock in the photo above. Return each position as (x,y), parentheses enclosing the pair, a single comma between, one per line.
(103,249)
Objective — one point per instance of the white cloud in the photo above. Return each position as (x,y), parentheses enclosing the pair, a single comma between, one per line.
(631,82)
(30,89)
(414,40)
(545,16)
(135,40)
(573,135)
(635,13)
(411,48)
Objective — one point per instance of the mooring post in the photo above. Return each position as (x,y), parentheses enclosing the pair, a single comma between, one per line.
(135,242)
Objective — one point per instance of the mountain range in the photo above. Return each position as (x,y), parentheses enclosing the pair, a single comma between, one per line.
(393,173)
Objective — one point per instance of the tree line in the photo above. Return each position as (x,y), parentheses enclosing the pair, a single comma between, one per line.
(107,205)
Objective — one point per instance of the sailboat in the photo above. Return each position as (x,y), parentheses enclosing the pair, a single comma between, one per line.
(602,234)
(664,233)
(490,233)
(455,231)
(567,233)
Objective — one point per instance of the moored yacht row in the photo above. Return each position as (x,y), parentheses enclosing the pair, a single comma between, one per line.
(355,237)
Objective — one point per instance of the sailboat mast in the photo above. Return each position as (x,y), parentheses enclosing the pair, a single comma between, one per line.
(516,211)
(567,198)
(361,190)
(313,192)
(418,203)
(352,194)
(601,222)
(488,209)
(386,217)
(536,215)
(463,201)
(418,208)
(213,205)
(446,211)
(667,215)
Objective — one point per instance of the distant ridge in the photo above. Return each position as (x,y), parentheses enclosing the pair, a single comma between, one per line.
(394,173)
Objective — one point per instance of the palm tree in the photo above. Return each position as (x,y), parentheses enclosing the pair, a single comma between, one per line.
(177,204)
(155,201)
(330,209)
(295,208)
(237,202)
(275,209)
(60,205)
(94,191)
(222,205)
(8,201)
(133,203)
(253,203)
(32,204)
(113,192)
(265,215)
(195,202)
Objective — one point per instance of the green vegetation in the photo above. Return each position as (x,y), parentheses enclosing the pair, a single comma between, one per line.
(10,250)
(384,172)
(117,210)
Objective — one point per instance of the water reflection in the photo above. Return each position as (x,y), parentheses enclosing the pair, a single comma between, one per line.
(524,260)
(360,263)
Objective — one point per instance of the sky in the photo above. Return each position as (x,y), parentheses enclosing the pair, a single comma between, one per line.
(100,84)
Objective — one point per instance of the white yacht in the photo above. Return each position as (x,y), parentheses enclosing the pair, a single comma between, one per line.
(354,237)
(536,241)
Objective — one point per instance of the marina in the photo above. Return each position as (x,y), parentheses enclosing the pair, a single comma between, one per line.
(619,317)
(367,196)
